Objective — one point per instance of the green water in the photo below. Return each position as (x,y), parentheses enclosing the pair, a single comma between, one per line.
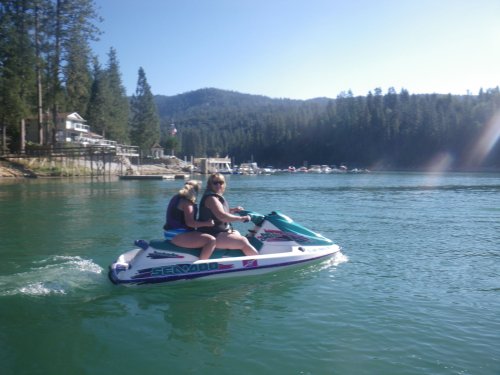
(417,290)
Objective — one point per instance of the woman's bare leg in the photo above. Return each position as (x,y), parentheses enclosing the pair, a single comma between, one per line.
(193,240)
(235,241)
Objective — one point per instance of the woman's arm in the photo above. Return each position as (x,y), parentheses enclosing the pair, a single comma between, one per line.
(236,209)
(218,210)
(188,210)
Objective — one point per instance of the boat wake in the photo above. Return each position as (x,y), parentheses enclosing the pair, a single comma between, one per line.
(52,276)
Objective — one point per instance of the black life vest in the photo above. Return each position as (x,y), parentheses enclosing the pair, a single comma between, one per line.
(175,216)
(207,214)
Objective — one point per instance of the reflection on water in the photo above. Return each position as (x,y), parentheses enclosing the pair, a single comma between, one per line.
(205,315)
(204,312)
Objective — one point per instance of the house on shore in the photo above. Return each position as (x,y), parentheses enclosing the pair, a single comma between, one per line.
(70,128)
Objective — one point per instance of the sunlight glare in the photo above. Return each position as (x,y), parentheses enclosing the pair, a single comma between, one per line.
(486,141)
(440,163)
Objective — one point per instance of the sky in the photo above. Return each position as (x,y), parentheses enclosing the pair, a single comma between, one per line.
(304,49)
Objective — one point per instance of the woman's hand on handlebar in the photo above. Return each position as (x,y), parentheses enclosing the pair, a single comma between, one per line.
(246,218)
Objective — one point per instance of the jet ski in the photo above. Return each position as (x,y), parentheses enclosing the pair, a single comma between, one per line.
(280,241)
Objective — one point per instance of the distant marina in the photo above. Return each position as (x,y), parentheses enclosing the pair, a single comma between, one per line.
(93,162)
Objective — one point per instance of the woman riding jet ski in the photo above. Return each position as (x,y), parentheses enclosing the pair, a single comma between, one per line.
(279,241)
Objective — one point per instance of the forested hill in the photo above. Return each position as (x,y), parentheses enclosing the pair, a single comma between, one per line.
(393,130)
(215,100)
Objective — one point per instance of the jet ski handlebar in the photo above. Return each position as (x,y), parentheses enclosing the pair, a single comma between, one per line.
(255,217)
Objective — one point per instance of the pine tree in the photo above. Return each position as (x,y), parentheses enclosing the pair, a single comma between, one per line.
(145,123)
(77,75)
(71,21)
(17,56)
(100,101)
(41,35)
(118,126)
(108,108)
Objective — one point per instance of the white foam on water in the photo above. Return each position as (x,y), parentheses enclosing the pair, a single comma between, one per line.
(334,261)
(338,258)
(329,264)
(56,275)
(39,289)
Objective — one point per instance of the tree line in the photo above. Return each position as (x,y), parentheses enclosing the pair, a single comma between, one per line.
(47,68)
(389,130)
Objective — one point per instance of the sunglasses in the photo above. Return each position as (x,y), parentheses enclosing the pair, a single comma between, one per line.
(218,182)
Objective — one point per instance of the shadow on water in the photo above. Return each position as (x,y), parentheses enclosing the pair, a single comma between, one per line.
(202,312)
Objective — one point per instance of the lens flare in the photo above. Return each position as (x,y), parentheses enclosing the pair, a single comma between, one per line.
(486,141)
(440,163)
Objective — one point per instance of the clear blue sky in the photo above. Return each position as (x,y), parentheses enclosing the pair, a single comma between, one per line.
(303,49)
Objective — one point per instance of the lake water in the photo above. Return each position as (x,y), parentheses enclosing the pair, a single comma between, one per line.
(417,290)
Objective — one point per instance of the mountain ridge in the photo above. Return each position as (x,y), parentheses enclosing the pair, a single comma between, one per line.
(202,99)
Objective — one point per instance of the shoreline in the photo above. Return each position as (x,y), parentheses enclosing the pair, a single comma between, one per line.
(15,170)
(10,170)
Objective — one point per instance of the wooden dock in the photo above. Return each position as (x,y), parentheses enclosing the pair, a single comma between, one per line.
(154,177)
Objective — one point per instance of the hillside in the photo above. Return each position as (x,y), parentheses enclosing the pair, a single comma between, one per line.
(393,130)
(217,122)
(211,100)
